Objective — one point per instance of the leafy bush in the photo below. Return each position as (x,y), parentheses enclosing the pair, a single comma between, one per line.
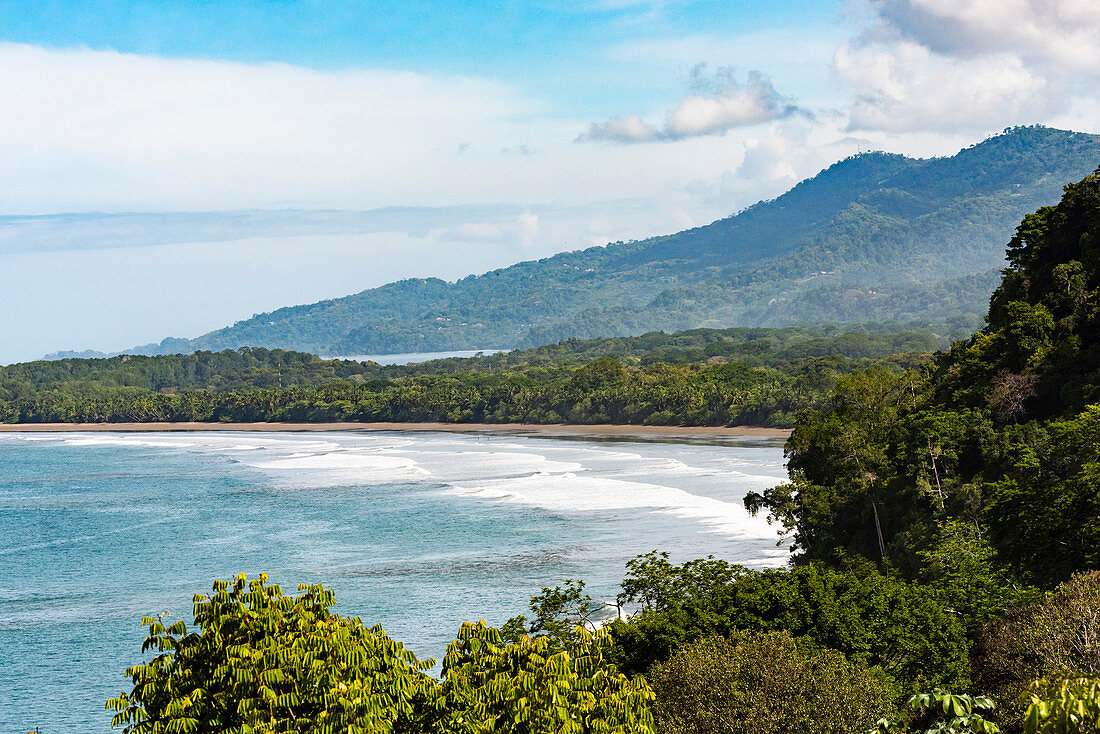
(265,662)
(1054,638)
(765,684)
(1064,706)
(528,687)
(942,712)
(872,619)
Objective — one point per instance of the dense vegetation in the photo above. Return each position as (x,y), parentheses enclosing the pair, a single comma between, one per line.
(264,662)
(876,237)
(701,377)
(999,435)
(945,523)
(945,520)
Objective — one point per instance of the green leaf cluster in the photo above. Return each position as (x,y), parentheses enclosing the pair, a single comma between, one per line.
(264,662)
(1064,706)
(259,661)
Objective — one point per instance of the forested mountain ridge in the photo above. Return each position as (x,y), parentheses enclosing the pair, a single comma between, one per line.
(875,237)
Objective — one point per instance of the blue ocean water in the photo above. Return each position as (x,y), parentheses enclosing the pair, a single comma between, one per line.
(416,531)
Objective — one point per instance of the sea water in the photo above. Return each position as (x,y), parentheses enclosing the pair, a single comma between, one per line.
(416,531)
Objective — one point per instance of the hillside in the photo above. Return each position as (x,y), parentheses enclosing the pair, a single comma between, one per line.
(876,237)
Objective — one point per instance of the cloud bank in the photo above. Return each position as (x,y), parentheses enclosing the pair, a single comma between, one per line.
(961,65)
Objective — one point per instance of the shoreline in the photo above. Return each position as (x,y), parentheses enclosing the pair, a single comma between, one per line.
(559,429)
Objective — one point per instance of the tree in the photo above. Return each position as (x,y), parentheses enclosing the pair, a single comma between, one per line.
(765,683)
(558,612)
(872,619)
(265,662)
(528,687)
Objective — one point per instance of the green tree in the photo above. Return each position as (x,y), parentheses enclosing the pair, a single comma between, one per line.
(264,662)
(529,687)
(765,683)
(872,619)
(1064,706)
(558,612)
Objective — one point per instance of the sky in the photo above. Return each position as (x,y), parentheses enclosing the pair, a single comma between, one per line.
(170,167)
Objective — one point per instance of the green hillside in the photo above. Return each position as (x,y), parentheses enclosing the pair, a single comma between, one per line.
(876,237)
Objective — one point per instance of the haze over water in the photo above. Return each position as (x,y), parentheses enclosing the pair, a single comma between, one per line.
(416,531)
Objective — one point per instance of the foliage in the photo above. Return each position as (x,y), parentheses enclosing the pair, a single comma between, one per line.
(998,434)
(575,382)
(960,564)
(941,712)
(872,619)
(265,662)
(1064,706)
(558,612)
(529,687)
(763,684)
(1054,637)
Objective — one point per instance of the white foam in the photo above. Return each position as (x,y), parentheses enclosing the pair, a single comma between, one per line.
(572,493)
(91,439)
(341,460)
(460,466)
(701,486)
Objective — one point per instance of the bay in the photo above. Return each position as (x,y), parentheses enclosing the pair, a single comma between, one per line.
(416,531)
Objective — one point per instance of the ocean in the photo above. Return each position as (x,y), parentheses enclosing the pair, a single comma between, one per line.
(416,531)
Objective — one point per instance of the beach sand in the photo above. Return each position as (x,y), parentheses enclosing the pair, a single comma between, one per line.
(550,430)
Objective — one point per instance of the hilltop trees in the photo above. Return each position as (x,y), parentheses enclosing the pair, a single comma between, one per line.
(999,434)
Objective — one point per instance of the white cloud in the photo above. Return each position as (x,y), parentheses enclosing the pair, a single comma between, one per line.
(86,129)
(721,103)
(1065,33)
(974,65)
(629,129)
(908,87)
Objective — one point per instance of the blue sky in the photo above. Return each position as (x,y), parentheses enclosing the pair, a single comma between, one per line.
(562,51)
(486,132)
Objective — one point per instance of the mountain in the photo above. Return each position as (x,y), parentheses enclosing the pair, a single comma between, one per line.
(875,237)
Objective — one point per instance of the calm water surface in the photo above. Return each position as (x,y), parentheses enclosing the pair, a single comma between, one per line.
(417,532)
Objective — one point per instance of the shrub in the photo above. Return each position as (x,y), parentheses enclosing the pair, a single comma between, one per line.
(264,663)
(765,684)
(1054,638)
(872,619)
(267,662)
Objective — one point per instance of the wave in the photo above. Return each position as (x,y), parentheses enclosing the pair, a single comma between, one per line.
(573,493)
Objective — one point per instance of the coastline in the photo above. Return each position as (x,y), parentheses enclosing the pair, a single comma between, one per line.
(533,428)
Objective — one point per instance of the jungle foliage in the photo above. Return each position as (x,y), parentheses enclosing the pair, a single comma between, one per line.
(991,450)
(765,683)
(703,377)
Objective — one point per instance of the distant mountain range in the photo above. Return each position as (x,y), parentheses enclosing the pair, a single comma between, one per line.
(876,237)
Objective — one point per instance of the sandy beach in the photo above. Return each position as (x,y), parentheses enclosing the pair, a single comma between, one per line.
(555,429)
